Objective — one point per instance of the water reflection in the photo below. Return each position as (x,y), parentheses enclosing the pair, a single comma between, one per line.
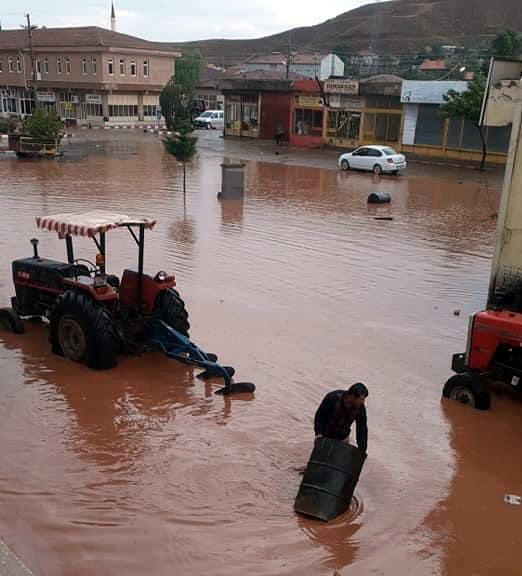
(337,538)
(232,214)
(302,290)
(117,413)
(479,532)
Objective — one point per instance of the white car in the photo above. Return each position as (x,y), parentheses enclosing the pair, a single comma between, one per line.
(211,119)
(378,159)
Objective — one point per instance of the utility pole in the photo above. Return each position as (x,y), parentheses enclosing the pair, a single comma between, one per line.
(289,55)
(33,67)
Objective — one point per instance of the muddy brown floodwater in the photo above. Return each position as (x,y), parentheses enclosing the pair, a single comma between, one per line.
(143,470)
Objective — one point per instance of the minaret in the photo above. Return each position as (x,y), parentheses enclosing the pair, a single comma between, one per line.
(113,18)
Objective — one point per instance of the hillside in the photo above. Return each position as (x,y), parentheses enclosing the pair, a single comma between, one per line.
(398,26)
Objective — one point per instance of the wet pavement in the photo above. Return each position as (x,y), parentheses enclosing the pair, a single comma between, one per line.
(142,469)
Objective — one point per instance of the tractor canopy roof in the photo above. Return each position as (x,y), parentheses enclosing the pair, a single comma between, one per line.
(89,223)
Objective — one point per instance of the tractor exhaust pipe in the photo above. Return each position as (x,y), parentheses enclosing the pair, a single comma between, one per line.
(34,242)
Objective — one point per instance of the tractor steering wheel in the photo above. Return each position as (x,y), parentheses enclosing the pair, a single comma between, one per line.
(93,269)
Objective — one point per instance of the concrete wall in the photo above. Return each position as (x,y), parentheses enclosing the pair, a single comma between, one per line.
(411,113)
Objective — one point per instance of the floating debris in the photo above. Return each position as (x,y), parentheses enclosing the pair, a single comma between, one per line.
(512,499)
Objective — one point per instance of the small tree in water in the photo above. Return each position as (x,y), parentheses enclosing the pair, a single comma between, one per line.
(43,124)
(177,97)
(468,105)
(182,145)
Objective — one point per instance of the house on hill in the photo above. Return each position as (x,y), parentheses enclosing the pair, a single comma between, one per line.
(307,65)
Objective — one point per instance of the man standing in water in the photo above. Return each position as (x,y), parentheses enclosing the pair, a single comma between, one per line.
(338,410)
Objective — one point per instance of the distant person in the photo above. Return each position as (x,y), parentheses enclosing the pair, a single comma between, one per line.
(279,133)
(337,412)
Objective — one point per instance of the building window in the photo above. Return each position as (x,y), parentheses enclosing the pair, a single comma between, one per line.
(149,110)
(26,103)
(110,67)
(18,65)
(308,122)
(38,67)
(84,65)
(9,104)
(46,65)
(58,66)
(92,110)
(133,68)
(10,64)
(145,68)
(209,100)
(1,70)
(93,65)
(122,67)
(123,110)
(67,65)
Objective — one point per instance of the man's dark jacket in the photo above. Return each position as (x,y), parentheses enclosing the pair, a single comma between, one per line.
(334,420)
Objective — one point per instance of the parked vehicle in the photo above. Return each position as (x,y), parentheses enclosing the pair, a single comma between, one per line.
(29,147)
(92,316)
(378,159)
(211,119)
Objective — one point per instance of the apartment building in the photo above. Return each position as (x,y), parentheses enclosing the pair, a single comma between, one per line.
(321,66)
(89,74)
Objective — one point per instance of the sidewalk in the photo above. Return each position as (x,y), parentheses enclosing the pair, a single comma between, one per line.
(11,565)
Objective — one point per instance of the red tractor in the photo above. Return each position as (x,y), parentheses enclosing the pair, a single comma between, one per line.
(493,353)
(93,315)
(494,343)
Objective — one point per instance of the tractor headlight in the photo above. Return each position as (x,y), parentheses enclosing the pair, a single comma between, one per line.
(161,276)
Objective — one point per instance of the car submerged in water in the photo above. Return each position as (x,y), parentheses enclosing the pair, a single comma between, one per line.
(377,159)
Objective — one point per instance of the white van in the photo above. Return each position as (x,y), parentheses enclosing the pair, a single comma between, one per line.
(211,119)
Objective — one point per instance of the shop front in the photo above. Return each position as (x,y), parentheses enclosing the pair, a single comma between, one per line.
(242,114)
(343,122)
(382,115)
(307,115)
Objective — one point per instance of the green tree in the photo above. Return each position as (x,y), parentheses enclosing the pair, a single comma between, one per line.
(182,145)
(507,44)
(43,123)
(177,96)
(468,105)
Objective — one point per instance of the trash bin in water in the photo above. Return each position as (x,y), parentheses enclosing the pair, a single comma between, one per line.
(232,181)
(329,479)
(379,198)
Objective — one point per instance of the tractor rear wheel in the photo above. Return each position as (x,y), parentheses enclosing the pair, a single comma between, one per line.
(468,389)
(82,330)
(9,320)
(170,308)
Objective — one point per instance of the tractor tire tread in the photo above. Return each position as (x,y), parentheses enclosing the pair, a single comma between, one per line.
(11,317)
(100,332)
(170,308)
(475,384)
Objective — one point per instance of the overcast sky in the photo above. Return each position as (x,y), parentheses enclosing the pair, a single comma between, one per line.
(179,20)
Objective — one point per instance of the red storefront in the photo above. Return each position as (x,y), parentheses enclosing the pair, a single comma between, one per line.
(275,110)
(257,108)
(306,115)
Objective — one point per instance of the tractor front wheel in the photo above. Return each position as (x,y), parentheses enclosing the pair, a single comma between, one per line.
(170,308)
(468,389)
(9,320)
(82,330)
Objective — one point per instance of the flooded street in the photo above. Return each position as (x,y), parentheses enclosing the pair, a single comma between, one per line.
(142,469)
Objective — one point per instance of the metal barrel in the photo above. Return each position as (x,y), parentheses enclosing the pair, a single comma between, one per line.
(379,198)
(329,479)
